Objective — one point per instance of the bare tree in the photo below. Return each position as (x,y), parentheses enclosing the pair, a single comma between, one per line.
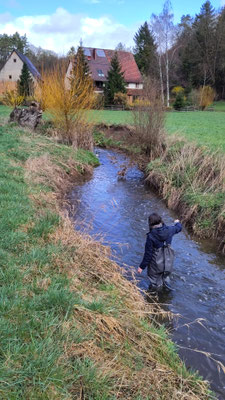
(164,31)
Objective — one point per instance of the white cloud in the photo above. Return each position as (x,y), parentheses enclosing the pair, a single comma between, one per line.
(61,30)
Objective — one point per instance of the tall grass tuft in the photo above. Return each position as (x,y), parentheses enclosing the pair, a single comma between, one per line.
(192,180)
(67,100)
(148,117)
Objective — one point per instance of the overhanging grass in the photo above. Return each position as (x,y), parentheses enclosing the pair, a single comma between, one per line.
(71,325)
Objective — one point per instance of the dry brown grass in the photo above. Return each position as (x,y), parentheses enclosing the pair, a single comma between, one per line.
(148,117)
(125,339)
(134,357)
(192,181)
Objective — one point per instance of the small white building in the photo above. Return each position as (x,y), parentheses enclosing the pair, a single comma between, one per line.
(11,71)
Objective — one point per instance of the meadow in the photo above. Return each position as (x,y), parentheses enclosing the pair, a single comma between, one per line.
(206,128)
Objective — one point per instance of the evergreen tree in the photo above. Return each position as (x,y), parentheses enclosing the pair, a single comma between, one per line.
(199,47)
(80,60)
(80,78)
(205,42)
(220,66)
(25,83)
(145,51)
(115,81)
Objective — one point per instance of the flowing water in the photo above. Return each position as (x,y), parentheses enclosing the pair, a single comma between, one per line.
(118,209)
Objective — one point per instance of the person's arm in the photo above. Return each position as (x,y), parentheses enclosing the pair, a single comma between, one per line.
(147,255)
(177,227)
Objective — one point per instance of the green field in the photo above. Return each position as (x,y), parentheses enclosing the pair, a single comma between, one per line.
(206,128)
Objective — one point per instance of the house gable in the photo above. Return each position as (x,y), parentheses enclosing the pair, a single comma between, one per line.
(12,69)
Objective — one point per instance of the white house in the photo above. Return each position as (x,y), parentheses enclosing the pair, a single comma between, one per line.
(11,71)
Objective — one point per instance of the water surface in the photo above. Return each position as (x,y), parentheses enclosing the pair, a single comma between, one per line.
(118,209)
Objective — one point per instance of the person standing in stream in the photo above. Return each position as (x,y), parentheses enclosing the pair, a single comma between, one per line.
(158,256)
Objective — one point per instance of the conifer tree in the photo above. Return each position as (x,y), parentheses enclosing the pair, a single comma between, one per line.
(80,78)
(25,83)
(115,80)
(145,51)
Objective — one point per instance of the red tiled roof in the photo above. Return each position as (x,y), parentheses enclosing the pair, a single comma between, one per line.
(126,59)
(128,65)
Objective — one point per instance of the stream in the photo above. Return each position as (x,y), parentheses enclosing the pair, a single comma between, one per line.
(117,209)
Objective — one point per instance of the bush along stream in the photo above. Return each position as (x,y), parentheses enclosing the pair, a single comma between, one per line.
(72,326)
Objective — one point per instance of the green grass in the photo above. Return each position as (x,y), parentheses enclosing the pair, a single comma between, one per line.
(219,105)
(206,128)
(39,322)
(32,318)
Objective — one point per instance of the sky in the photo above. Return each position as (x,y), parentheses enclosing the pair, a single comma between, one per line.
(59,24)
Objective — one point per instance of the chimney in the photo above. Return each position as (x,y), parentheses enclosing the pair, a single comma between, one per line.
(94,53)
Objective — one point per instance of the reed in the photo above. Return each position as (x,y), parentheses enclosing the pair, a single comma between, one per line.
(192,180)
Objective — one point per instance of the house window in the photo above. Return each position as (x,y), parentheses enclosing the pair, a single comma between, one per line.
(10,76)
(14,59)
(100,72)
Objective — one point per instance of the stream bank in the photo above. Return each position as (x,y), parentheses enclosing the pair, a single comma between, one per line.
(71,325)
(188,177)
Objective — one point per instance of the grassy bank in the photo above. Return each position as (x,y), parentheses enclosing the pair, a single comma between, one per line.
(72,327)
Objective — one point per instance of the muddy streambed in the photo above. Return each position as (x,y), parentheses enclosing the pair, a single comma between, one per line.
(117,209)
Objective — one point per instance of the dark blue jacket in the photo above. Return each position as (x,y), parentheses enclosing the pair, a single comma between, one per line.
(156,238)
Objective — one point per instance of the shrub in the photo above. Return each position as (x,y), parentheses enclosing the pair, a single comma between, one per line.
(206,96)
(149,119)
(120,99)
(67,100)
(98,101)
(177,90)
(12,98)
(202,97)
(179,101)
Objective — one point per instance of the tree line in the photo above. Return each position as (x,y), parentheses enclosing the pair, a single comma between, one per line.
(190,54)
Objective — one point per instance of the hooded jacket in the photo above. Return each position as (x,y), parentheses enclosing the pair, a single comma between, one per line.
(156,239)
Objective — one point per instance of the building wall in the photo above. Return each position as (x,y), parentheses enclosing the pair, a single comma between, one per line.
(68,75)
(12,69)
(10,73)
(131,85)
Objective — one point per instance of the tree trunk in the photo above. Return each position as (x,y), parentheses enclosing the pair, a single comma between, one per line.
(167,82)
(27,117)
(161,78)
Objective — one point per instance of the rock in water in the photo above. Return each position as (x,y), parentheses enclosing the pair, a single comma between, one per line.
(29,117)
